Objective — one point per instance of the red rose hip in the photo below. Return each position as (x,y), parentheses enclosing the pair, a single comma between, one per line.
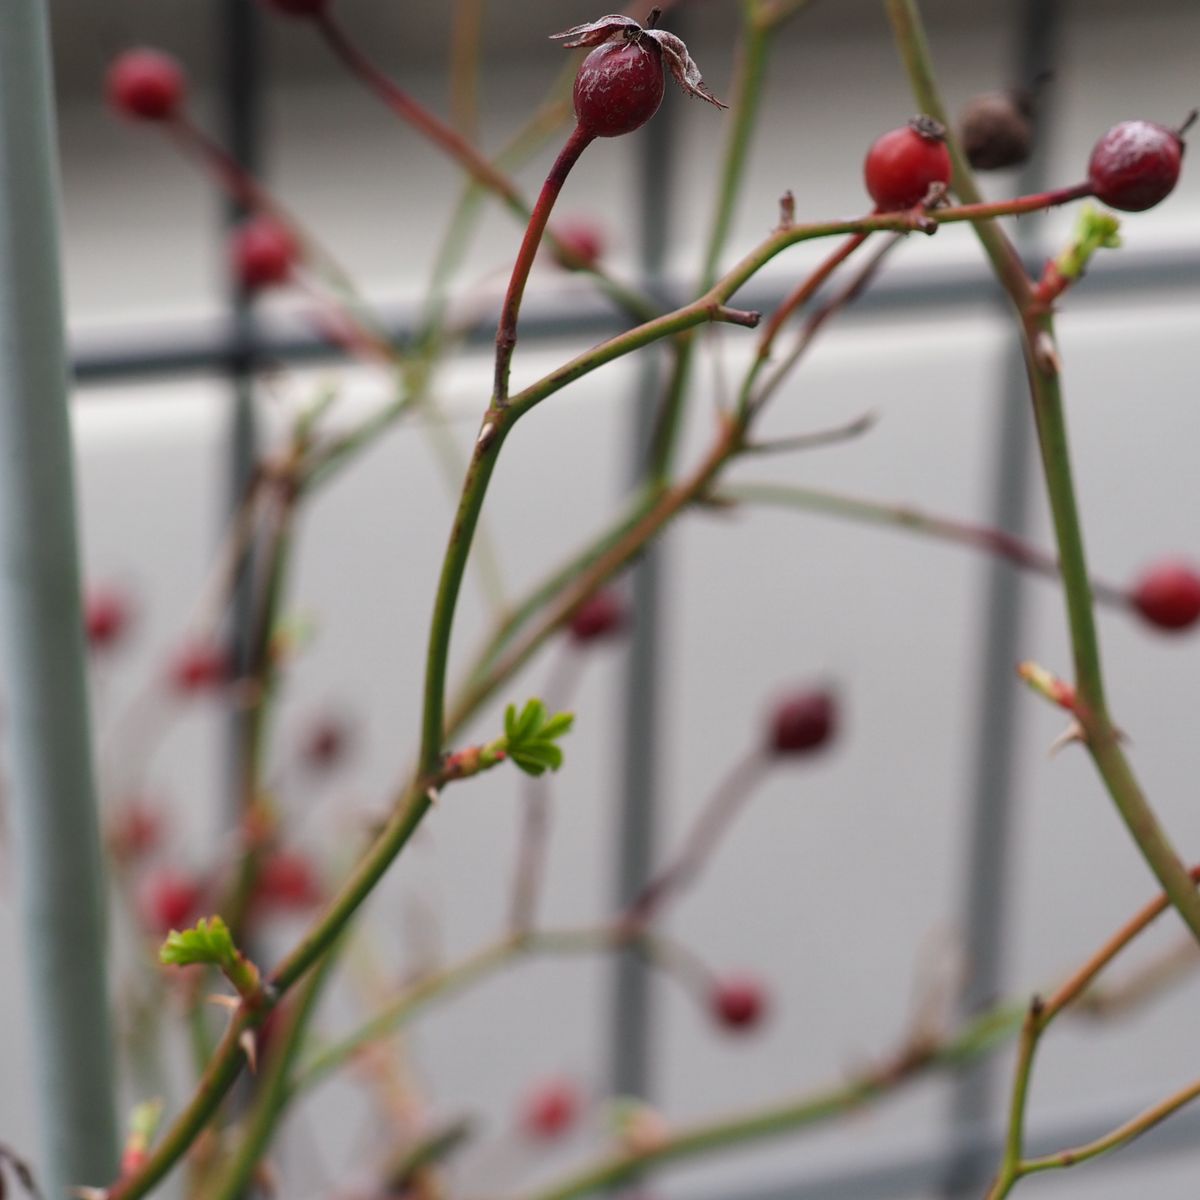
(106,616)
(169,900)
(600,616)
(199,667)
(1135,165)
(1168,596)
(738,1003)
(803,722)
(903,164)
(551,1109)
(146,84)
(264,252)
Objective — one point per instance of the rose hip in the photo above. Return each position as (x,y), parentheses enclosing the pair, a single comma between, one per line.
(146,85)
(264,253)
(1135,165)
(106,616)
(600,616)
(1168,595)
(551,1109)
(738,1003)
(904,163)
(803,722)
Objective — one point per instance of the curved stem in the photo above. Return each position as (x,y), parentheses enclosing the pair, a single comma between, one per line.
(715,817)
(506,333)
(998,542)
(486,173)
(1042,366)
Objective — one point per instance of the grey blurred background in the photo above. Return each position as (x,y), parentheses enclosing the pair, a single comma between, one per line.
(847,877)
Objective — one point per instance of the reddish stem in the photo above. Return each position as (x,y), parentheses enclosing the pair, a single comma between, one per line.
(506,333)
(726,802)
(805,290)
(401,103)
(1037,202)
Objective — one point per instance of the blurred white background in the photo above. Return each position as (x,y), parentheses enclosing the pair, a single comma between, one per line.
(844,875)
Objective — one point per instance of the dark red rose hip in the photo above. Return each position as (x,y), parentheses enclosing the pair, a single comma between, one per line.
(803,722)
(1135,165)
(264,252)
(738,1003)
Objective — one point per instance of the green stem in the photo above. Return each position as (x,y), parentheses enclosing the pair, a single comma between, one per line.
(1041,360)
(271,1091)
(974,1040)
(745,105)
(1014,1142)
(997,542)
(1119,1137)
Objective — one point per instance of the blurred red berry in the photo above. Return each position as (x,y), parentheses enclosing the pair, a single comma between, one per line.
(286,882)
(1168,595)
(904,163)
(325,743)
(106,617)
(264,252)
(146,84)
(738,1003)
(583,239)
(601,615)
(201,667)
(134,830)
(803,722)
(551,1109)
(170,900)
(1135,165)
(298,8)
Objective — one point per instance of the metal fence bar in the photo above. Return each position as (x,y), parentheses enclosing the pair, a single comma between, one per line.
(203,347)
(987,858)
(55,819)
(640,754)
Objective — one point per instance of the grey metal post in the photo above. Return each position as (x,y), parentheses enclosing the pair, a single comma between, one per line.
(987,866)
(637,834)
(54,801)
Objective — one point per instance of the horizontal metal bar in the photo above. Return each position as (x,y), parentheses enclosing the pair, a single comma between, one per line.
(924,1174)
(213,346)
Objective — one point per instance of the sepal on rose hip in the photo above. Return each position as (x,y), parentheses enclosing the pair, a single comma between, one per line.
(210,943)
(620,84)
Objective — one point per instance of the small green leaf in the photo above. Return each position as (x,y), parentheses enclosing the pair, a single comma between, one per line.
(558,725)
(210,942)
(510,721)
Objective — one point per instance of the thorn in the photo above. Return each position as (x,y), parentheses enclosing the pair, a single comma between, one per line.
(250,1048)
(432,795)
(232,1003)
(1046,353)
(1073,733)
(787,210)
(486,436)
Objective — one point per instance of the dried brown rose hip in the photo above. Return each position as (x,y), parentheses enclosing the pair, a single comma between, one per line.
(621,83)
(996,130)
(1136,164)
